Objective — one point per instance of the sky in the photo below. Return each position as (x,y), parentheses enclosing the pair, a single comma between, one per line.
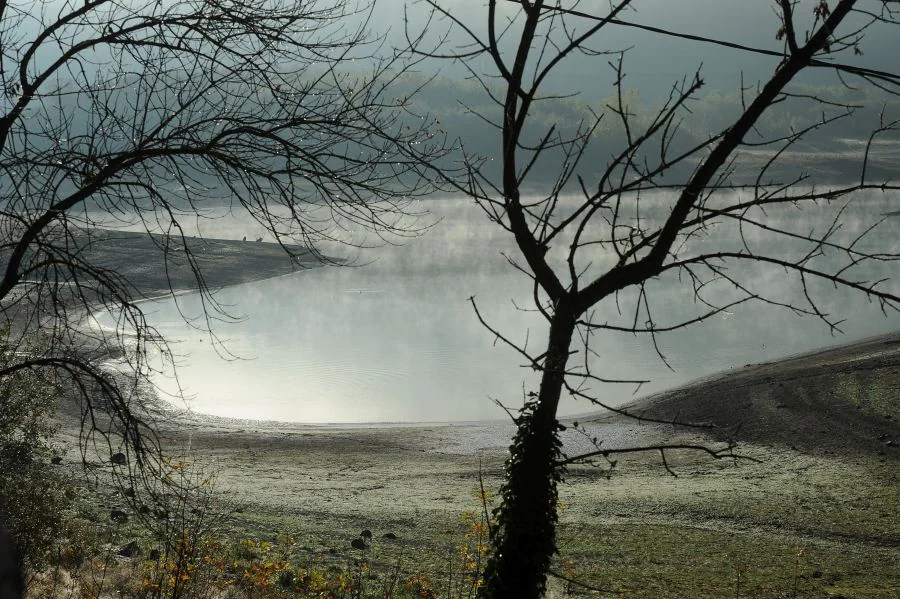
(653,61)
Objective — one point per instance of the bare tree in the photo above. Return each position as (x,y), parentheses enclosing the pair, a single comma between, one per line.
(153,115)
(662,208)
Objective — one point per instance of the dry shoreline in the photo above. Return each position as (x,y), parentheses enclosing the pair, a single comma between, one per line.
(816,510)
(808,508)
(709,400)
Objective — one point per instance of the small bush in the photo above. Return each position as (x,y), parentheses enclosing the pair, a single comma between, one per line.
(33,498)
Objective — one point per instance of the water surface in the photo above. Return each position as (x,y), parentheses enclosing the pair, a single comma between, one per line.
(397,339)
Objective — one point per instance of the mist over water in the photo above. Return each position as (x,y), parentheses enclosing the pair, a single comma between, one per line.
(395,339)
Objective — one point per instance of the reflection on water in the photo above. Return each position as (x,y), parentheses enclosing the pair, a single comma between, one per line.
(397,340)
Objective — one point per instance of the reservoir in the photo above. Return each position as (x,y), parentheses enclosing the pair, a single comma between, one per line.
(395,338)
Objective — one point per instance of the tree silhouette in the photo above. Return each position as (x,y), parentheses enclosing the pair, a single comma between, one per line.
(656,210)
(151,116)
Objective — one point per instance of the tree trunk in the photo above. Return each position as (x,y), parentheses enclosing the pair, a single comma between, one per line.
(524,539)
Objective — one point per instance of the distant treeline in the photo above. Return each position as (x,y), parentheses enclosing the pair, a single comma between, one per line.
(465,110)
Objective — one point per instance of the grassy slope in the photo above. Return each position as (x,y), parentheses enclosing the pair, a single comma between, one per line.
(815,516)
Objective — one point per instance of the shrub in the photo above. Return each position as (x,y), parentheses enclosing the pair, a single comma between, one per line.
(33,497)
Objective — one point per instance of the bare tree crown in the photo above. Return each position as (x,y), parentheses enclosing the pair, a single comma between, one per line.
(156,115)
(648,212)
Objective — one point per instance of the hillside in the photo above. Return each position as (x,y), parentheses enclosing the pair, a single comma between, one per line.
(844,399)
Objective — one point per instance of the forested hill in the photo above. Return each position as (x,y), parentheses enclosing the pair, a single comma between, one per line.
(465,110)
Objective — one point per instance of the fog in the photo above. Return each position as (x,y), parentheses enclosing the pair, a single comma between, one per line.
(396,339)
(654,62)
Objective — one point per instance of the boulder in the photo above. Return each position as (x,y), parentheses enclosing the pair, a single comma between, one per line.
(130,550)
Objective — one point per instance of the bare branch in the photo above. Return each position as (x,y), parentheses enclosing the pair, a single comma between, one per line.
(718,454)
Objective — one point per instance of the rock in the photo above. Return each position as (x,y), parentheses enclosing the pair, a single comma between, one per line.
(118,516)
(358,544)
(118,459)
(130,550)
(389,535)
